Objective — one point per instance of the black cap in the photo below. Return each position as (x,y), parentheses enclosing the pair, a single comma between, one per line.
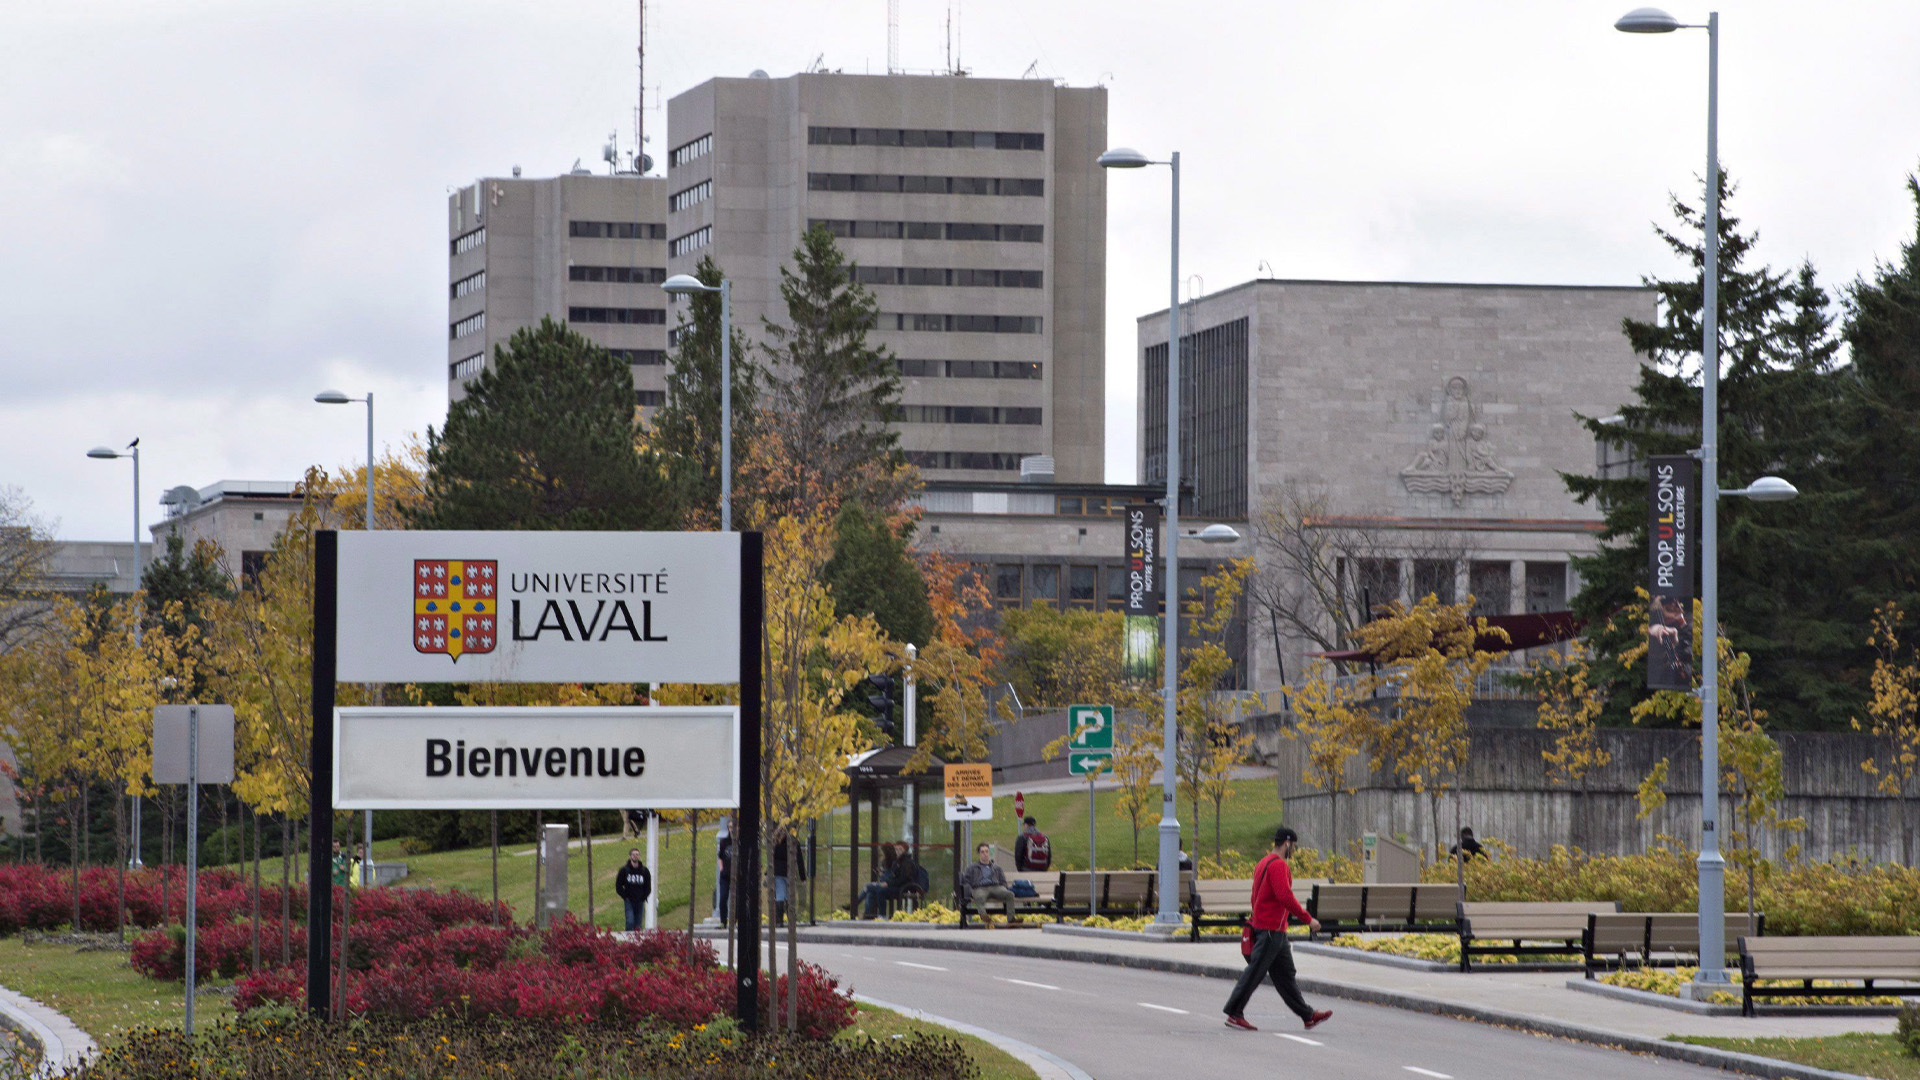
(1032,822)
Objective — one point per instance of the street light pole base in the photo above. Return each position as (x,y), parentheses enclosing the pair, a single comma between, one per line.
(1164,931)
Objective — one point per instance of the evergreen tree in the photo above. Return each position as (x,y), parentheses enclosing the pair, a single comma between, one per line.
(1781,568)
(546,439)
(1883,458)
(832,395)
(193,579)
(688,424)
(871,573)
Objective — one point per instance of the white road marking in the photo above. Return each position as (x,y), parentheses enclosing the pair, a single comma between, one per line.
(1023,982)
(1300,1039)
(1162,1008)
(923,967)
(1426,1072)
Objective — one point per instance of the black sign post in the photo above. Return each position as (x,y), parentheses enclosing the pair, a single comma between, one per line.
(326,595)
(746,844)
(1673,495)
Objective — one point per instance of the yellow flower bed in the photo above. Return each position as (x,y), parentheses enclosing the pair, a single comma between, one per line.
(1439,948)
(1668,981)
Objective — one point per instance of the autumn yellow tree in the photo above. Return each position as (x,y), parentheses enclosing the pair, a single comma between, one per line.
(1570,707)
(1333,721)
(1210,742)
(1432,659)
(1136,757)
(1893,717)
(40,723)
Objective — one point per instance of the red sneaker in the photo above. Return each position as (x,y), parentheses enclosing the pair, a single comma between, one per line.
(1318,1018)
(1241,1023)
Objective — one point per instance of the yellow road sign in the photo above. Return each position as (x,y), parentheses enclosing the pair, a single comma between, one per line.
(969,781)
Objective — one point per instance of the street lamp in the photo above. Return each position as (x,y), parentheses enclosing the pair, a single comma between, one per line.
(107,453)
(687,285)
(1167,918)
(335,397)
(1712,867)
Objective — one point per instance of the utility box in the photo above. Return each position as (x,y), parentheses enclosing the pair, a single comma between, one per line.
(1385,861)
(553,876)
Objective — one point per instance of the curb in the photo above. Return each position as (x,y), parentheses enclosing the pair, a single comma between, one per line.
(59,1050)
(1047,1066)
(1701,1008)
(1768,1068)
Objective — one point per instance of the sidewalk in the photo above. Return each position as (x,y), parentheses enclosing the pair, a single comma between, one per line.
(1538,1001)
(62,1044)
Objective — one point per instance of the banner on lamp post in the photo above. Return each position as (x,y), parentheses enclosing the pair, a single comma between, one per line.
(1673,530)
(1140,635)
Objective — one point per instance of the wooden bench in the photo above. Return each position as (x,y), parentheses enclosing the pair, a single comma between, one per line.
(1563,924)
(1866,960)
(1654,939)
(1230,902)
(1425,906)
(1045,882)
(1115,892)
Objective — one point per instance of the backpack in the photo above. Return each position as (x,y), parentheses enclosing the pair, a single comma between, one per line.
(1039,851)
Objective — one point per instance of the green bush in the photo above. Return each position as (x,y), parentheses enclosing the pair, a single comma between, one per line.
(1907,1027)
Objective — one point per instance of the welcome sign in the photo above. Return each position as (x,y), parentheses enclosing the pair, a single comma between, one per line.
(539,607)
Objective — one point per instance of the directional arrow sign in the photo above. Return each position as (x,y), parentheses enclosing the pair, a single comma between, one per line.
(969,808)
(1092,727)
(1080,762)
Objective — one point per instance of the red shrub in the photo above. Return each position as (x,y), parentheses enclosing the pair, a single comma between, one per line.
(670,947)
(825,1011)
(462,946)
(677,995)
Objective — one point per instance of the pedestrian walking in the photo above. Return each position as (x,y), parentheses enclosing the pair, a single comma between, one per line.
(1268,954)
(633,883)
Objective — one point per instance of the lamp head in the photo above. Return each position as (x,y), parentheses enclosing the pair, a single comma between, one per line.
(686,285)
(1647,20)
(1770,489)
(103,452)
(1124,157)
(331,397)
(1217,534)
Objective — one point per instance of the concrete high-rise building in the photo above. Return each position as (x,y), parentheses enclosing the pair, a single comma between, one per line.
(975,213)
(587,249)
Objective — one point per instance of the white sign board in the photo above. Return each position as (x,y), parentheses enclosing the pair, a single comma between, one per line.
(969,808)
(539,607)
(579,757)
(170,744)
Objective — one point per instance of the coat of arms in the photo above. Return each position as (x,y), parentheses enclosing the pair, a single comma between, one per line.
(453,606)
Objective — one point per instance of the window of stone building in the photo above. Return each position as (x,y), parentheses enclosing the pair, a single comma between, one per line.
(1371,582)
(1044,583)
(1116,586)
(1069,506)
(1081,586)
(252,565)
(1492,586)
(1546,586)
(1006,582)
(1433,576)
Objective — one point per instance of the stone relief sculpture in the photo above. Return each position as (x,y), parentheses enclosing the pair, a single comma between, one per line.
(1457,461)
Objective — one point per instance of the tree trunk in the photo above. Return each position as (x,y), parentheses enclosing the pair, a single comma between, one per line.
(286,890)
(346,928)
(120,867)
(693,874)
(73,861)
(539,855)
(225,859)
(166,855)
(253,816)
(493,821)
(586,833)
(86,824)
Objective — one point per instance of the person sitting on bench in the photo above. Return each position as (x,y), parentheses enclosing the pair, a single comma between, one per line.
(984,881)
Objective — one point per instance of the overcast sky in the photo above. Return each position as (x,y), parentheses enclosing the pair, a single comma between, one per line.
(212,209)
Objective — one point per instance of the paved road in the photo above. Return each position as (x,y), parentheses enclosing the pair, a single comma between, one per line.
(1125,1024)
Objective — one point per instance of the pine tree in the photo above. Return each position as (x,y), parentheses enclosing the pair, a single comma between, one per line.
(833,395)
(1883,460)
(546,439)
(871,573)
(1782,570)
(688,424)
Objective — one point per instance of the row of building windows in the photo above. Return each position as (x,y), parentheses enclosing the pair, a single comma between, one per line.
(1088,506)
(467,367)
(649,399)
(963,324)
(617,230)
(625,275)
(472,283)
(472,324)
(693,196)
(967,414)
(1072,586)
(969,369)
(691,242)
(472,241)
(917,137)
(654,316)
(985,460)
(640,357)
(688,151)
(934,275)
(929,230)
(926,185)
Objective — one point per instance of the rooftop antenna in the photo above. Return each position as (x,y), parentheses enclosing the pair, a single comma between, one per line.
(641,162)
(1032,70)
(893,36)
(1264,265)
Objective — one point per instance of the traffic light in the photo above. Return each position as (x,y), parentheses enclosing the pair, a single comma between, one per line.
(882,701)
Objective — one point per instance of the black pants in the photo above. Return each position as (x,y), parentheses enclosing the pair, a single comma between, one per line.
(1272,957)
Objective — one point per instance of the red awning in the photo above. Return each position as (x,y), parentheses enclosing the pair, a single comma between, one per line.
(1523,632)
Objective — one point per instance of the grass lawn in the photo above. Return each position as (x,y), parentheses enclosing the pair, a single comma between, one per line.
(883,1024)
(99,991)
(1862,1054)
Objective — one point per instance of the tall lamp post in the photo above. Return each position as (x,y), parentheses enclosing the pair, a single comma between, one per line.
(687,285)
(1168,916)
(1711,865)
(335,397)
(109,453)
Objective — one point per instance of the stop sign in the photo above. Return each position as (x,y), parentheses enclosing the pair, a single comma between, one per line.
(1019,805)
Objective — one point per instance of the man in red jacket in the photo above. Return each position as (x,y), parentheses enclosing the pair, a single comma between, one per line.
(1273,901)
